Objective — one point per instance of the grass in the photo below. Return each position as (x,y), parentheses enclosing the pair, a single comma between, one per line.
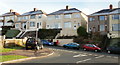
(6,50)
(10,57)
(10,49)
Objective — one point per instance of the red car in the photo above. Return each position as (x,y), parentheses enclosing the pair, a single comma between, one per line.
(91,47)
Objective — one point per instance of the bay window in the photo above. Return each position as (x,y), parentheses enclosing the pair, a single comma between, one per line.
(32,24)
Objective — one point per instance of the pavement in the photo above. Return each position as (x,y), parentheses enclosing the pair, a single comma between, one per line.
(31,54)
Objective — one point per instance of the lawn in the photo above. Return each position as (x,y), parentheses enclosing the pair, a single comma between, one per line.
(10,49)
(10,57)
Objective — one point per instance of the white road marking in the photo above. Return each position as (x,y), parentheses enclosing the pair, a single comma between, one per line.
(109,56)
(100,56)
(80,55)
(83,60)
(116,57)
(89,54)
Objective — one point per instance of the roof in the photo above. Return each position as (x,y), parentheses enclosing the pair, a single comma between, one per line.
(10,13)
(106,11)
(65,11)
(33,12)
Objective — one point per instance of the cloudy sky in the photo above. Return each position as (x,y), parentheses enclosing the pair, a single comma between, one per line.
(86,6)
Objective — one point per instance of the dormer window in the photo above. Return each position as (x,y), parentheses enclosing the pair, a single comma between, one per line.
(40,16)
(32,17)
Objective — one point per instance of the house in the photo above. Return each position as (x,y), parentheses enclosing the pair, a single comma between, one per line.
(31,21)
(68,20)
(105,21)
(8,18)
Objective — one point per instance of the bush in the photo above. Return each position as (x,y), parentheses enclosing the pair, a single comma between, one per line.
(81,31)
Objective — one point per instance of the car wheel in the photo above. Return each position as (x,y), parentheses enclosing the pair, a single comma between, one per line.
(108,51)
(84,49)
(96,50)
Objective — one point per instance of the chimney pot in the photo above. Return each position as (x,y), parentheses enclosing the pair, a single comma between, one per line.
(11,10)
(67,7)
(35,9)
(111,6)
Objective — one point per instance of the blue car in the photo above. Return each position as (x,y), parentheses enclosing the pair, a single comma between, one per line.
(72,45)
(45,42)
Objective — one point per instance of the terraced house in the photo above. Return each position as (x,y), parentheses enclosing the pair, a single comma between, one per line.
(8,19)
(68,19)
(105,21)
(30,21)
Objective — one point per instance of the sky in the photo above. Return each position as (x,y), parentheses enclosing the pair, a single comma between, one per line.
(49,6)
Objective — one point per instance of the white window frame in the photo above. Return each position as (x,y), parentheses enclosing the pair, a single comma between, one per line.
(76,15)
(32,16)
(114,17)
(57,16)
(115,27)
(67,16)
(102,27)
(67,24)
(32,24)
(102,19)
(17,25)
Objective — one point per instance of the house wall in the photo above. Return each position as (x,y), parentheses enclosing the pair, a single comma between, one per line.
(114,33)
(75,23)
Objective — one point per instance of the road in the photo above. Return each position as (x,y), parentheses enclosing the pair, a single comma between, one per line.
(62,55)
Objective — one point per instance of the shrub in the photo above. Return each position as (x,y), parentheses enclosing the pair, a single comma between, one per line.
(81,31)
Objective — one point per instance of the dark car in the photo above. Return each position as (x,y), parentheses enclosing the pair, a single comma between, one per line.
(113,49)
(45,42)
(72,45)
(32,43)
(91,47)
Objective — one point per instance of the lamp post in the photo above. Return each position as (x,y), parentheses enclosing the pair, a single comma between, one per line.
(36,34)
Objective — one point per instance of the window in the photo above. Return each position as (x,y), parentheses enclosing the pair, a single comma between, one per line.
(67,24)
(19,18)
(79,24)
(57,16)
(115,27)
(32,16)
(115,17)
(1,18)
(102,28)
(12,17)
(57,25)
(40,16)
(50,17)
(102,18)
(25,17)
(76,16)
(7,17)
(32,24)
(67,16)
(91,19)
(17,25)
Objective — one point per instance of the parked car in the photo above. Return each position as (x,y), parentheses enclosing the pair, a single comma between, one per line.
(72,45)
(45,42)
(91,47)
(32,43)
(113,49)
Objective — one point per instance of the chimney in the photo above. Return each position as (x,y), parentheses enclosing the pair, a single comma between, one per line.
(35,9)
(111,6)
(67,7)
(11,10)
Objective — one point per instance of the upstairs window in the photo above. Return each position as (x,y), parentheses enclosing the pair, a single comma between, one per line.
(40,16)
(115,17)
(57,16)
(102,18)
(67,16)
(32,17)
(91,19)
(76,15)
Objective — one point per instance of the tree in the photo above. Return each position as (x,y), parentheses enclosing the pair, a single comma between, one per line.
(81,31)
